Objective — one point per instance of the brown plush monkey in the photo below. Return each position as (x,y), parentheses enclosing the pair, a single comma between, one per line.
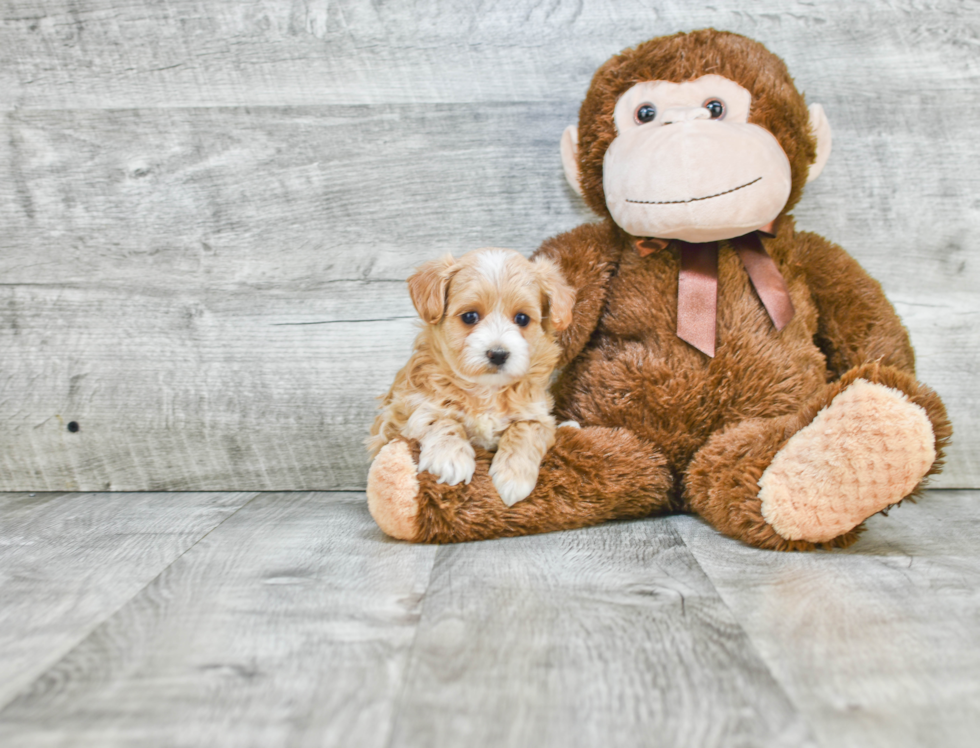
(719,361)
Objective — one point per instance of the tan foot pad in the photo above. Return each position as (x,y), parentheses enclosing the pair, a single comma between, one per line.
(393,489)
(864,452)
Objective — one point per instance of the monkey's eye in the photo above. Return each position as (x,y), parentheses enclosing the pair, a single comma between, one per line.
(469,318)
(521,319)
(716,107)
(646,113)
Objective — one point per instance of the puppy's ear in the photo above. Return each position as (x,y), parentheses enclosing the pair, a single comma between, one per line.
(561,296)
(427,287)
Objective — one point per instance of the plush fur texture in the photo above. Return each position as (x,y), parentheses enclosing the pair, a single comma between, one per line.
(590,475)
(776,104)
(862,453)
(393,488)
(664,426)
(722,482)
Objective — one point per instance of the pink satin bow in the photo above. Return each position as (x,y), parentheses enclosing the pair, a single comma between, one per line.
(697,291)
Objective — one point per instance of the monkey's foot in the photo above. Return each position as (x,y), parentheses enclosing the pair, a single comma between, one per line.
(868,449)
(393,491)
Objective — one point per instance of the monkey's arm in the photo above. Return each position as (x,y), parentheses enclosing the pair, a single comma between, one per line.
(856,323)
(587,257)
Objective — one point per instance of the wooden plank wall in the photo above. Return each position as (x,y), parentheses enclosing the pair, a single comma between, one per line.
(208,210)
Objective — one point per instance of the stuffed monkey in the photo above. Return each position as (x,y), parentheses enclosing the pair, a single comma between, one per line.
(719,361)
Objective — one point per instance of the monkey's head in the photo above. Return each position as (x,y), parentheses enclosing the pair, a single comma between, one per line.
(699,136)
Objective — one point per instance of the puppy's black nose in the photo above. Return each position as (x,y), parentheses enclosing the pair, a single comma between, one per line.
(498,356)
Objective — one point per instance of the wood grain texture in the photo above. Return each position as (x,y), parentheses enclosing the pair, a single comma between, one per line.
(130,53)
(273,197)
(611,636)
(288,625)
(177,391)
(293,621)
(878,645)
(69,561)
(180,183)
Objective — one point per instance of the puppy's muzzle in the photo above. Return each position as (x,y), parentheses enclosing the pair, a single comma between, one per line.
(498,356)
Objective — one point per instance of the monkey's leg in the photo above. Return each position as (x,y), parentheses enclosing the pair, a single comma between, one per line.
(591,475)
(810,479)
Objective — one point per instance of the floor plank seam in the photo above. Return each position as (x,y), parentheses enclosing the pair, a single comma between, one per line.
(87,634)
(750,641)
(400,699)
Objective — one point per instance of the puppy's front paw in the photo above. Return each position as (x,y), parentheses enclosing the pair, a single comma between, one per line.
(451,460)
(514,476)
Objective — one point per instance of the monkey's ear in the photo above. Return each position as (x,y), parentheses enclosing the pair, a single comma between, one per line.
(569,157)
(561,296)
(427,287)
(820,128)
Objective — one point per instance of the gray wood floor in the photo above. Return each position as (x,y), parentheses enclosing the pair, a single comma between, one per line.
(288,619)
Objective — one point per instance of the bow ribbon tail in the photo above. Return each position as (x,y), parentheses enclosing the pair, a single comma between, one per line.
(766,278)
(697,295)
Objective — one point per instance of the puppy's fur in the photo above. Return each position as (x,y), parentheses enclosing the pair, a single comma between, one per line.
(477,374)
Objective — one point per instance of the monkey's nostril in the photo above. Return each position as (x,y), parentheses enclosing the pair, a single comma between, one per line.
(498,356)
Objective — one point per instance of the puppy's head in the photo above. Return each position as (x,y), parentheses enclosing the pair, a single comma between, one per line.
(493,313)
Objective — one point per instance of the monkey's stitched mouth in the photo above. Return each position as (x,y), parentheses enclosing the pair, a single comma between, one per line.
(692,199)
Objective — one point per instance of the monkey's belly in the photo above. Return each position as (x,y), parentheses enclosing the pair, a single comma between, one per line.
(676,397)
(637,374)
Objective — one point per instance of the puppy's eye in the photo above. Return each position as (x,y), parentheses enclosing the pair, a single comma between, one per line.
(469,318)
(521,319)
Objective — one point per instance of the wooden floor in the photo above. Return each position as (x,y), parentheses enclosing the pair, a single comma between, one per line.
(288,619)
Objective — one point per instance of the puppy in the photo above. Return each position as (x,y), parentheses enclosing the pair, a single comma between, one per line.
(481,367)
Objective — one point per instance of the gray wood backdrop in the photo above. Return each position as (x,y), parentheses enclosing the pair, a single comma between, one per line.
(208,209)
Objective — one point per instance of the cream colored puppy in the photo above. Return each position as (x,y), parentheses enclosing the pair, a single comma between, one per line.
(481,367)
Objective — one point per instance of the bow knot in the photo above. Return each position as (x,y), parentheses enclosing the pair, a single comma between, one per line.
(697,290)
